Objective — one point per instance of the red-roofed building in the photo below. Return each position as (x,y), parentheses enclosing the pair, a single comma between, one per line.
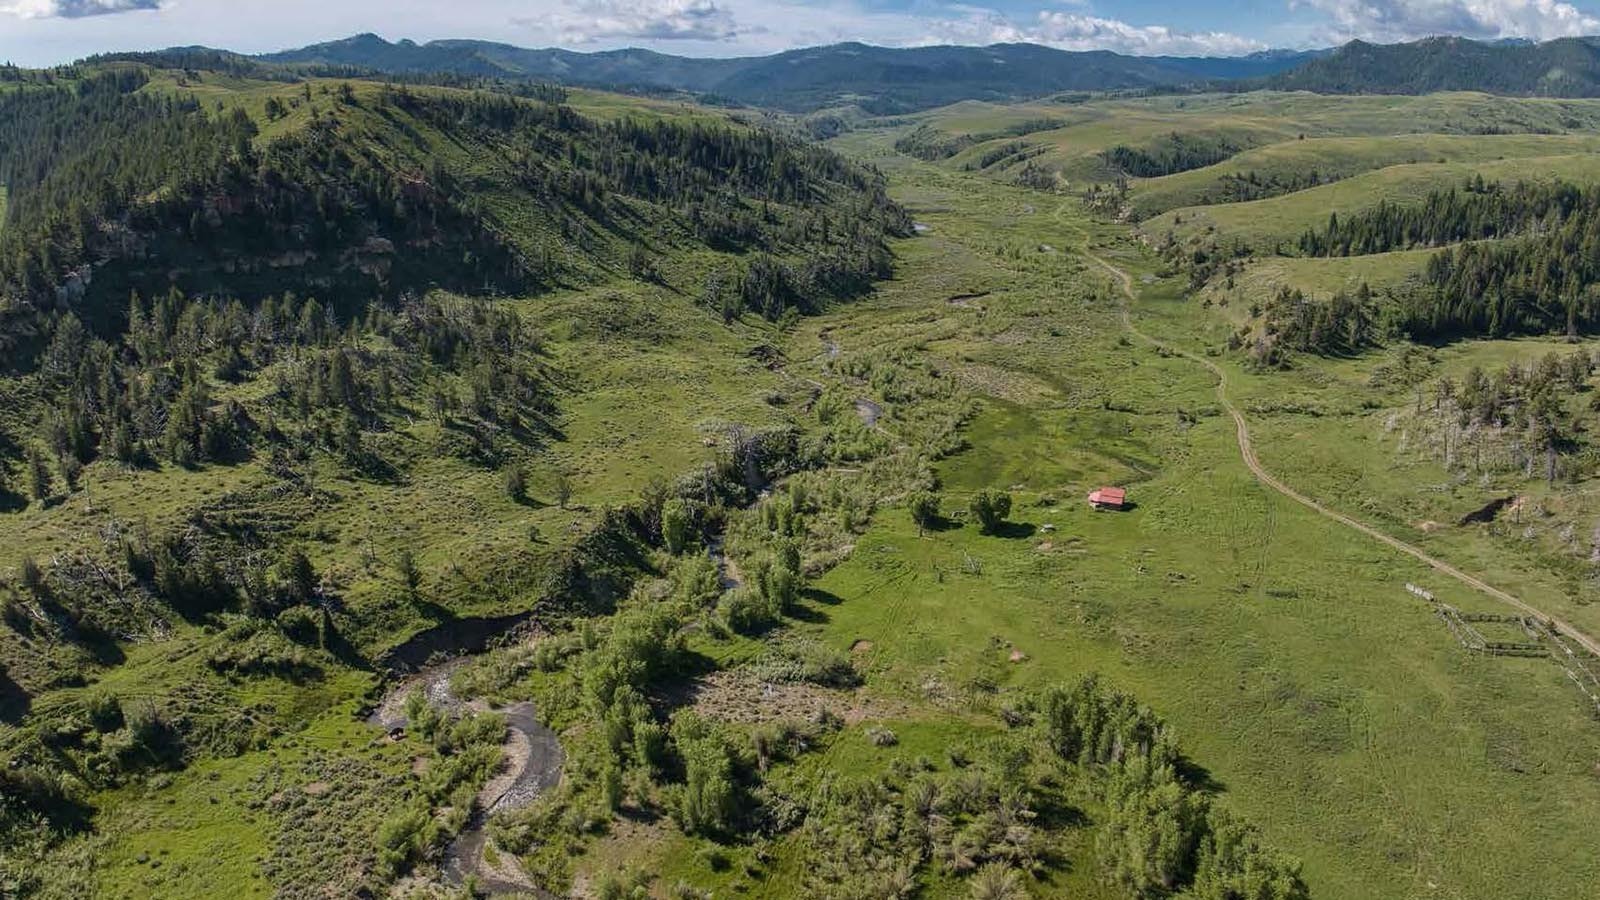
(1109,498)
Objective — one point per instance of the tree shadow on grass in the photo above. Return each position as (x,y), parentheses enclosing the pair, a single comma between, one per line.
(14,701)
(811,615)
(941,524)
(1055,812)
(432,610)
(818,595)
(101,644)
(1198,776)
(692,664)
(1014,530)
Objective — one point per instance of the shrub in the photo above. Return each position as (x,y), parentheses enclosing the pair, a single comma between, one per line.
(30,575)
(807,661)
(104,710)
(781,587)
(300,624)
(516,484)
(294,578)
(706,801)
(747,611)
(924,509)
(403,836)
(991,508)
(650,745)
(997,881)
(675,524)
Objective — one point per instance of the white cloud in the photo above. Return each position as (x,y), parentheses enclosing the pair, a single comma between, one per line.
(1079,32)
(591,21)
(1404,20)
(1074,31)
(73,9)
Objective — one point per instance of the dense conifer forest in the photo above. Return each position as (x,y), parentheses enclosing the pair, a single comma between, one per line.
(1539,277)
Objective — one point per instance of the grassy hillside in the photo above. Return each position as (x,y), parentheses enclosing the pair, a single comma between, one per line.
(1275,224)
(1070,154)
(1301,164)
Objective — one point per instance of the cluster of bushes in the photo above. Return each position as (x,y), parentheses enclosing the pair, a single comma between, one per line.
(1170,155)
(468,751)
(1345,323)
(876,836)
(1161,832)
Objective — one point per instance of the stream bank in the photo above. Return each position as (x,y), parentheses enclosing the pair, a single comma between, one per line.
(534,757)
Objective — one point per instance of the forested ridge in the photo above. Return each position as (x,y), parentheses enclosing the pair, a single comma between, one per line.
(1523,258)
(1476,211)
(116,187)
(1565,67)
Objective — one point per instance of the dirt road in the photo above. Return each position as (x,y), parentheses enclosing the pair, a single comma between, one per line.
(1248,453)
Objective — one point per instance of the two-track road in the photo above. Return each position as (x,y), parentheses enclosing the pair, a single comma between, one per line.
(1248,453)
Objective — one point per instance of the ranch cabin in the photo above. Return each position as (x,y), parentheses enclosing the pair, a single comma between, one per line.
(1109,498)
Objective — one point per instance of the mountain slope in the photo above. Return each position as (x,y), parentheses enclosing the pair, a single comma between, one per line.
(120,182)
(1568,67)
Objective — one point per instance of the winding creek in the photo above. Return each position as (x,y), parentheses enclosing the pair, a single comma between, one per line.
(534,757)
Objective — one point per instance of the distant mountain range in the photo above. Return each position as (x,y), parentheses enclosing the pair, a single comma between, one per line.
(887,80)
(882,80)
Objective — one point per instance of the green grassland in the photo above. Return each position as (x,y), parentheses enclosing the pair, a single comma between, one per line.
(1274,224)
(1326,703)
(1343,157)
(1265,121)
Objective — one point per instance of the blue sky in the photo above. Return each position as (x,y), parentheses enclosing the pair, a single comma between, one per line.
(40,32)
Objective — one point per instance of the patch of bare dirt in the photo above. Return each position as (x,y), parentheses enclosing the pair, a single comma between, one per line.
(862,645)
(869,411)
(1015,387)
(737,696)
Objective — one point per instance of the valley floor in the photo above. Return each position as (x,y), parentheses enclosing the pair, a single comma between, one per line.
(1328,704)
(1309,690)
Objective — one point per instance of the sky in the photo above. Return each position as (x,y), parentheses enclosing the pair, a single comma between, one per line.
(46,32)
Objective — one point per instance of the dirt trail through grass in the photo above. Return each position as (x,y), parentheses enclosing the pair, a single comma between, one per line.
(1248,453)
